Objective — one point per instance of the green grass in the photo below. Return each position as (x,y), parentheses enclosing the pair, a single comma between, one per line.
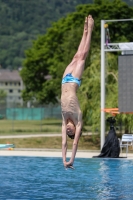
(85,143)
(12,127)
(24,127)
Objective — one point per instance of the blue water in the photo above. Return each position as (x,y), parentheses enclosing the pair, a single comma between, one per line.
(40,178)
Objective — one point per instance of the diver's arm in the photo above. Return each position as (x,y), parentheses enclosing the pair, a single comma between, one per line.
(64,142)
(75,146)
(75,142)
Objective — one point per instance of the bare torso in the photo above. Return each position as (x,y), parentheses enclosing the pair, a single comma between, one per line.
(69,103)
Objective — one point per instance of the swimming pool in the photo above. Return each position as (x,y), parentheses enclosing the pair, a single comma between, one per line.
(40,178)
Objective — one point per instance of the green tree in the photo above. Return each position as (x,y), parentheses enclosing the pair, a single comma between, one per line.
(2,94)
(23,21)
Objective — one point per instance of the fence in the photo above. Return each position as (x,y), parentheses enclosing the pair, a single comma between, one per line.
(15,111)
(33,113)
(29,117)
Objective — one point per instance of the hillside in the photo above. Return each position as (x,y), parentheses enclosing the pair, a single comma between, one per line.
(22,21)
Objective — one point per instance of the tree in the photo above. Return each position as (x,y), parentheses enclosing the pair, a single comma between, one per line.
(2,94)
(2,98)
(23,21)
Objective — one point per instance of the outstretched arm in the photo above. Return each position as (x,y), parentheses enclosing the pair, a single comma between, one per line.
(64,142)
(75,142)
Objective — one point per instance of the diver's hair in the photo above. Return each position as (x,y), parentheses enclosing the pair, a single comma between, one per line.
(73,136)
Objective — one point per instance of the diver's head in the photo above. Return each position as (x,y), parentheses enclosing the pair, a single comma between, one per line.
(70,129)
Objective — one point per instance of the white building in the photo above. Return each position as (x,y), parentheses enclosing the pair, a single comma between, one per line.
(11,82)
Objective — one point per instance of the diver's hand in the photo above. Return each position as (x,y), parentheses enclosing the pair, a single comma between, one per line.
(68,165)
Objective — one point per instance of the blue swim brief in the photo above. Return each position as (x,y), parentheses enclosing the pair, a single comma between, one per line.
(70,79)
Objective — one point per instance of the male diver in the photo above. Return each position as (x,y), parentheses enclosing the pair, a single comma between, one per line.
(71,113)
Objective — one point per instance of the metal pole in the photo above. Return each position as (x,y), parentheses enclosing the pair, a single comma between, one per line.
(118,20)
(102,83)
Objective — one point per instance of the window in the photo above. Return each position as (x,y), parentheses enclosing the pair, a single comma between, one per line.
(11,91)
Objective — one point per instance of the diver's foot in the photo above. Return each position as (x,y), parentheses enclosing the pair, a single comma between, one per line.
(86,25)
(90,22)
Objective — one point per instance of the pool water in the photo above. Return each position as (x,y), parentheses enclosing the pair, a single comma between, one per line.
(40,178)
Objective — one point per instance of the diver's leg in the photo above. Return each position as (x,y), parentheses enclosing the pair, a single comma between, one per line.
(70,67)
(83,40)
(76,67)
(88,38)
(81,56)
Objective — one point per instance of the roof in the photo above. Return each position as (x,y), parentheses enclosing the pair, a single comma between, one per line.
(8,75)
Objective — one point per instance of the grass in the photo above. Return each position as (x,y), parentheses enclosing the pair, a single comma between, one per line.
(12,127)
(16,127)
(85,143)
(23,127)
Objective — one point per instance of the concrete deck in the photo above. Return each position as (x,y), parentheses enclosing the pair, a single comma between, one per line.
(53,153)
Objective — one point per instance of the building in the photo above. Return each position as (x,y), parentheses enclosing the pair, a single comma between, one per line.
(12,84)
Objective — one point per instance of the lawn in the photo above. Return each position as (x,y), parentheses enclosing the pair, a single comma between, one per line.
(12,127)
(30,126)
(16,127)
(85,143)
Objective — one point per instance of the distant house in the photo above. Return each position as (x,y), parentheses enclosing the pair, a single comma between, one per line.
(12,84)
